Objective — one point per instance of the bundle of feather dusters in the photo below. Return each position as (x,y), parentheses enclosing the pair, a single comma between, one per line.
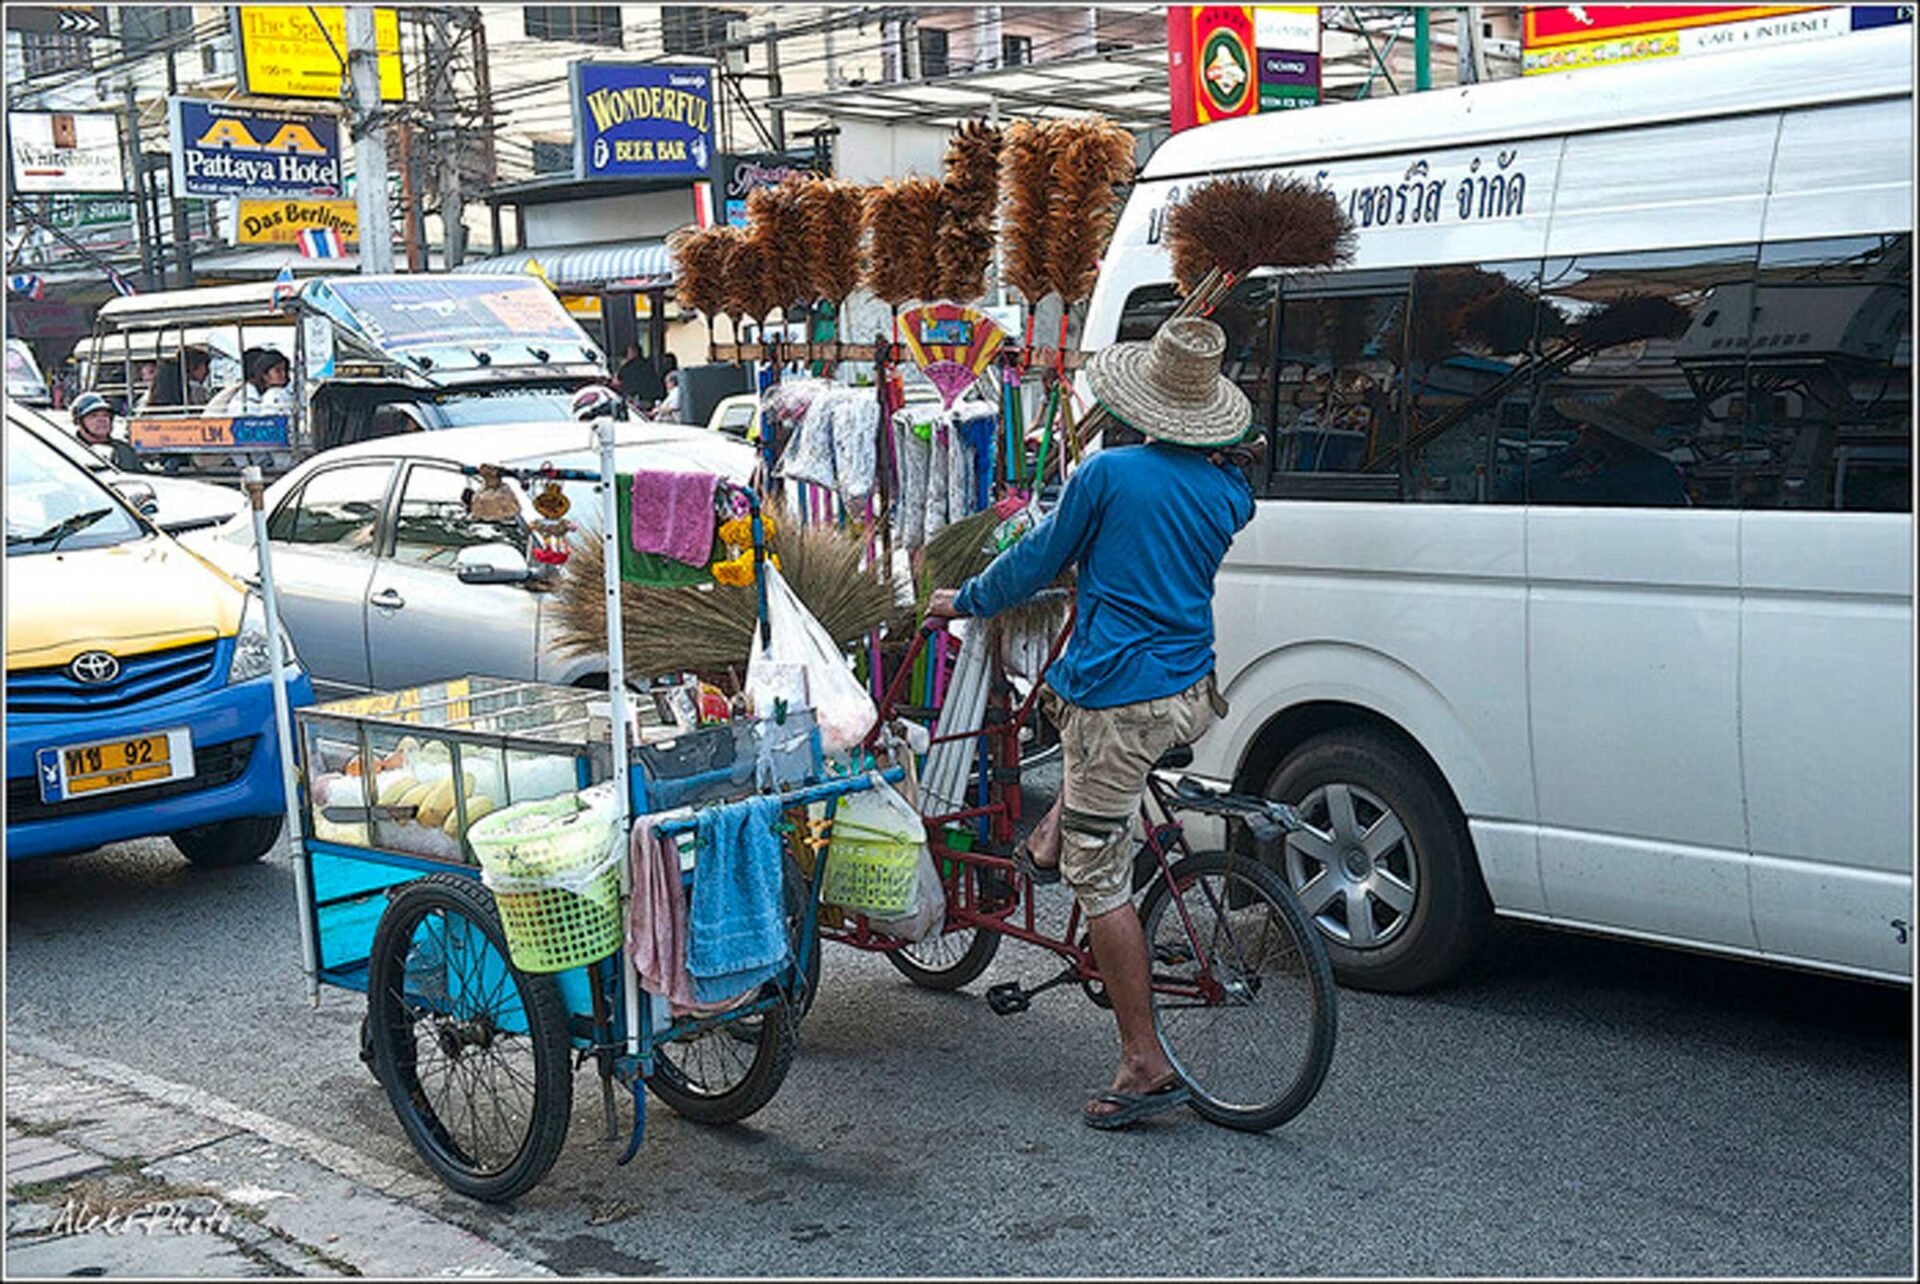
(1240,223)
(700,258)
(1091,158)
(777,224)
(969,193)
(902,219)
(705,628)
(830,216)
(750,288)
(1026,172)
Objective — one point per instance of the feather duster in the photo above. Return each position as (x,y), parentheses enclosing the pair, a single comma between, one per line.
(830,209)
(902,218)
(1241,223)
(700,268)
(1090,157)
(777,224)
(969,193)
(1631,317)
(1027,211)
(750,293)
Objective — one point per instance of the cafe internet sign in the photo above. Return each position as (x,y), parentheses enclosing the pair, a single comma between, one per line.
(642,120)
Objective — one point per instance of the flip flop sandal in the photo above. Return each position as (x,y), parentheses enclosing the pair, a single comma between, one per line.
(1135,1106)
(1038,874)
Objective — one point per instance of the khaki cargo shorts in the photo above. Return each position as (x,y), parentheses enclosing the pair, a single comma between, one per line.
(1107,755)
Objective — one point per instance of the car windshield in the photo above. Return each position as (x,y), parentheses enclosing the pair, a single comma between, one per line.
(52,506)
(525,407)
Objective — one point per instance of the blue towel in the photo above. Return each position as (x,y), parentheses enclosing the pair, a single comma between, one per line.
(737,924)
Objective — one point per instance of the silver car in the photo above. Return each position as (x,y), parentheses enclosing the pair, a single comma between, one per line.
(386,581)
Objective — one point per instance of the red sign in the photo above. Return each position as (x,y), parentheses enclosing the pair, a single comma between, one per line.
(1549,25)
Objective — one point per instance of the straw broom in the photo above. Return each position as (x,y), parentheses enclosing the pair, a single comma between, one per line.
(705,628)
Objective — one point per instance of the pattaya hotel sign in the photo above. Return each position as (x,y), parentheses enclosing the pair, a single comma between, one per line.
(223,150)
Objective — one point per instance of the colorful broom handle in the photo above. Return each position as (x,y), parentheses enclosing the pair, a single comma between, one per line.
(760,569)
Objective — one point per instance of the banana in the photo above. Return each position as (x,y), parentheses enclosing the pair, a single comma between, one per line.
(395,790)
(477,806)
(433,811)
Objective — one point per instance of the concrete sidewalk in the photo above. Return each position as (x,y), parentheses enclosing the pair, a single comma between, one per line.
(114,1172)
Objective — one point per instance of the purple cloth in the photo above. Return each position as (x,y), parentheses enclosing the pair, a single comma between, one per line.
(672,514)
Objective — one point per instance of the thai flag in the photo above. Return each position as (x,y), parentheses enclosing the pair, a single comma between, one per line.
(322,243)
(121,286)
(27,285)
(284,285)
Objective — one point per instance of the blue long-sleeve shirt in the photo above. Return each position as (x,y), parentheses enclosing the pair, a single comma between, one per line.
(1147,527)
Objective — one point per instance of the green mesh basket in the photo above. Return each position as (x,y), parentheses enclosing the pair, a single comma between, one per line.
(551,929)
(870,872)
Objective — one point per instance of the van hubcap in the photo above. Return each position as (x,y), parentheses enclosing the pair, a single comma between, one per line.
(1354,867)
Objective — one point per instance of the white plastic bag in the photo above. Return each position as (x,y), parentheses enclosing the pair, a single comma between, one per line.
(808,456)
(842,709)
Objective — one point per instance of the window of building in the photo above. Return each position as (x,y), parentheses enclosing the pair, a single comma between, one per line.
(143,27)
(1016,51)
(1470,380)
(933,52)
(696,28)
(1829,414)
(44,53)
(1641,379)
(588,24)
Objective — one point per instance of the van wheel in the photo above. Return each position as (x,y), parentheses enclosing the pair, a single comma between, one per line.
(230,842)
(1385,869)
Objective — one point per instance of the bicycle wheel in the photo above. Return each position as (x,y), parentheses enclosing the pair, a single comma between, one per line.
(474,1054)
(728,1071)
(1254,1035)
(947,961)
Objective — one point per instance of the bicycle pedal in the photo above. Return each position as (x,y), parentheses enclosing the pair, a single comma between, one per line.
(1008,998)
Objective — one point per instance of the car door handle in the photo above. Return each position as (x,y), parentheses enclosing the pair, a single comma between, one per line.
(388,600)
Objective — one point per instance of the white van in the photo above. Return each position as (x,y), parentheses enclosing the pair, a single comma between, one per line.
(1580,590)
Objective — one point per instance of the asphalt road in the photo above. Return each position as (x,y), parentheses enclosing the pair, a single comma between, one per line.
(1574,1107)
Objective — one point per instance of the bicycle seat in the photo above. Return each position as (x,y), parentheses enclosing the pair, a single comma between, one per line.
(1175,758)
(1266,818)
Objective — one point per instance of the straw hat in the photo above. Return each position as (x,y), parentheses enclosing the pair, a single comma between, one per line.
(1632,415)
(1170,387)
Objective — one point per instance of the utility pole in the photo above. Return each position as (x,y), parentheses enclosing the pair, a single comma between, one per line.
(182,233)
(410,220)
(369,143)
(446,137)
(137,189)
(777,117)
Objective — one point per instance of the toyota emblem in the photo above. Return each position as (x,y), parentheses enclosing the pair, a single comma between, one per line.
(94,668)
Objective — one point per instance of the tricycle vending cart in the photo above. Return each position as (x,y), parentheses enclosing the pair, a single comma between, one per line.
(465,863)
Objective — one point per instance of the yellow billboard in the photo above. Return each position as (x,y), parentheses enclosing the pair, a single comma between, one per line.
(285,53)
(280,221)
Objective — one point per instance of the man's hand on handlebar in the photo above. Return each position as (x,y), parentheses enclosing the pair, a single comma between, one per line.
(942,605)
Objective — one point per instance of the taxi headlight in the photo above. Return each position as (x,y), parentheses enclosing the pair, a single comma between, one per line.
(251,656)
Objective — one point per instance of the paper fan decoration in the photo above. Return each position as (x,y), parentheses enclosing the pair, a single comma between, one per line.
(951,345)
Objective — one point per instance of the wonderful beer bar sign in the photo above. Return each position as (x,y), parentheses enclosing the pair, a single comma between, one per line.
(641,120)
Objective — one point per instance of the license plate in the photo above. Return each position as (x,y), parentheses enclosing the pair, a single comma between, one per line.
(108,766)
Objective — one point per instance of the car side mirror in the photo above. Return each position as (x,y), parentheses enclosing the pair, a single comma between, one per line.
(140,495)
(492,564)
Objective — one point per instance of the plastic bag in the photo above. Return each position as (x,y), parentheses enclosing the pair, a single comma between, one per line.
(856,425)
(842,709)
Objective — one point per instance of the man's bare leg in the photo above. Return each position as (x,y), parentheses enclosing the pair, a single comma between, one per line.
(1044,841)
(1120,948)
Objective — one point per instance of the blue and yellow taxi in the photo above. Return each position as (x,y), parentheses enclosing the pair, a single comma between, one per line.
(139,700)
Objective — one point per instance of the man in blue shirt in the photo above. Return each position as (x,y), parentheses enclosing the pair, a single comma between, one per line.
(1146,528)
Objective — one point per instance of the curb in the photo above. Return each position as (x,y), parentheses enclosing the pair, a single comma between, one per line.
(302,1204)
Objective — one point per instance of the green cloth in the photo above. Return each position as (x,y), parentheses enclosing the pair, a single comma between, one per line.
(655,569)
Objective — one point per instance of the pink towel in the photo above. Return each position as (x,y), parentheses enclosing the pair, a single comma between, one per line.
(657,918)
(672,514)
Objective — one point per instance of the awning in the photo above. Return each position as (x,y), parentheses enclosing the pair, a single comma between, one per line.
(588,269)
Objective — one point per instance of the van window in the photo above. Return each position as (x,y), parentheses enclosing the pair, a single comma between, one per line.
(1641,399)
(1471,353)
(1339,382)
(1829,419)
(1245,316)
